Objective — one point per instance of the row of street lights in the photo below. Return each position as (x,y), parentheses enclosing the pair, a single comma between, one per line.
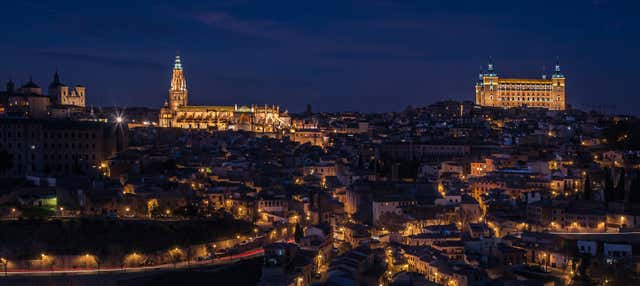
(134,258)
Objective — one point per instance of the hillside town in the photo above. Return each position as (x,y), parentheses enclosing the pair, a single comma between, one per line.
(452,193)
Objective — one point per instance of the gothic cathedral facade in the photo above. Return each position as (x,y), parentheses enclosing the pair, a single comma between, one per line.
(177,113)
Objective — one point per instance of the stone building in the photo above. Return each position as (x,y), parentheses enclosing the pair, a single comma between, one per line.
(177,113)
(28,101)
(57,147)
(494,91)
(62,95)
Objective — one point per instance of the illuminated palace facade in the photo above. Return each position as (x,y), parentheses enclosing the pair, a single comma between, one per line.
(493,91)
(177,113)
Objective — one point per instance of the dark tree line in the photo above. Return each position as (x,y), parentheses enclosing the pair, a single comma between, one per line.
(619,191)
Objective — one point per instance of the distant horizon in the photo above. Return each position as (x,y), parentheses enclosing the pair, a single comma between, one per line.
(369,56)
(378,112)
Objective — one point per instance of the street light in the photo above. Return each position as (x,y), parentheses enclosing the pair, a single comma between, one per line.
(43,257)
(4,263)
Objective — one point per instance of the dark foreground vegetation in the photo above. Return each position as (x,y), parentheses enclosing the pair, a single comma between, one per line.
(27,238)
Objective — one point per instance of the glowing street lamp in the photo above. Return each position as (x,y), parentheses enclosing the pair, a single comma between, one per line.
(43,258)
(4,262)
(86,260)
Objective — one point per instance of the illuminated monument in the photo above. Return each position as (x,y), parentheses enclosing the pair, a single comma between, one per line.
(494,91)
(178,114)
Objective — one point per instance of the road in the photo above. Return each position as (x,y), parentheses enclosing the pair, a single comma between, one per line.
(596,233)
(161,267)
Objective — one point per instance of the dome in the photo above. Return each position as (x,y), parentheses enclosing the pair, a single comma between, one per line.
(30,84)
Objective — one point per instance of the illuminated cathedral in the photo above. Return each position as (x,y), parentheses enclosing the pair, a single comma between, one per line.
(177,113)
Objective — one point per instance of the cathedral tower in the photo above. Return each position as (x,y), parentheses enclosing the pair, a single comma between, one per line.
(63,95)
(178,91)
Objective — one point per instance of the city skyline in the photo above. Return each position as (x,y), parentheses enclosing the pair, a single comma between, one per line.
(330,143)
(334,58)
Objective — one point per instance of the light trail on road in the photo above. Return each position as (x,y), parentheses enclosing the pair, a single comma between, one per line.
(90,271)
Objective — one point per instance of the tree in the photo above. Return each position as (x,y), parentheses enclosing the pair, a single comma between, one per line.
(298,233)
(6,161)
(587,188)
(608,185)
(634,189)
(619,191)
(169,165)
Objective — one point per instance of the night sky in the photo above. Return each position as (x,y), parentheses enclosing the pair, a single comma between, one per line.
(370,55)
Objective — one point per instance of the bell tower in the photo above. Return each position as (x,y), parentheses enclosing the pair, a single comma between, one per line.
(558,88)
(178,90)
(487,87)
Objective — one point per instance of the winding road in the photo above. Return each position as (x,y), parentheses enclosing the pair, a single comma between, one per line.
(161,267)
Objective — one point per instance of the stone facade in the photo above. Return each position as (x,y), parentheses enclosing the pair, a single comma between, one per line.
(57,146)
(62,95)
(493,91)
(176,112)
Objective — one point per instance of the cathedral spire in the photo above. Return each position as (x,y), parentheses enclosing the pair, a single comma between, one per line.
(178,64)
(10,85)
(178,90)
(55,83)
(56,77)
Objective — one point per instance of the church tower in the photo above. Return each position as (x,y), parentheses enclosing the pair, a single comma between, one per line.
(58,91)
(558,91)
(178,91)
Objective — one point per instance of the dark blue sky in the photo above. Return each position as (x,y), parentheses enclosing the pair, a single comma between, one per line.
(369,55)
